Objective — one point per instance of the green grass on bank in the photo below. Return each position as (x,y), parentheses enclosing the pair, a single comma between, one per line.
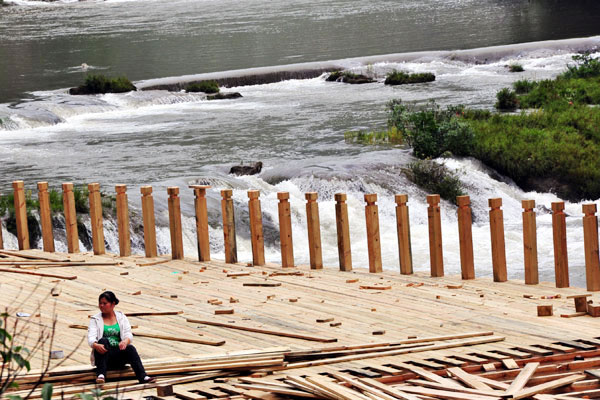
(552,144)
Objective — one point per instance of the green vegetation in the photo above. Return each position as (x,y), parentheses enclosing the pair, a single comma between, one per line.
(515,68)
(435,178)
(554,146)
(402,78)
(585,67)
(389,136)
(507,100)
(204,86)
(524,86)
(99,84)
(430,130)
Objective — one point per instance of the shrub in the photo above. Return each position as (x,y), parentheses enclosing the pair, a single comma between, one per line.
(586,67)
(204,86)
(515,68)
(435,178)
(523,86)
(561,93)
(100,84)
(507,100)
(402,78)
(431,131)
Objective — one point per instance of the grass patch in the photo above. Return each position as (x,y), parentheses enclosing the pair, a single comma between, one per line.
(100,84)
(435,178)
(402,78)
(389,136)
(204,86)
(515,68)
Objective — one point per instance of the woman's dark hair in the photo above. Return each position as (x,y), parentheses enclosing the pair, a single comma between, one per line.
(109,296)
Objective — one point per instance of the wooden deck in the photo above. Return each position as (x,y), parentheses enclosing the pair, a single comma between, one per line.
(354,306)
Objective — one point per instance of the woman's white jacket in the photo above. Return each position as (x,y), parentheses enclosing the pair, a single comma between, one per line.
(96,330)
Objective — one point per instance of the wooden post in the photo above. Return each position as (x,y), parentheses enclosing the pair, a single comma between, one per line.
(465,237)
(202,222)
(1,241)
(530,243)
(559,234)
(497,237)
(229,226)
(314,230)
(590,241)
(285,230)
(45,217)
(436,256)
(404,244)
(123,221)
(96,218)
(149,223)
(343,232)
(175,223)
(256,228)
(21,215)
(70,218)
(373,239)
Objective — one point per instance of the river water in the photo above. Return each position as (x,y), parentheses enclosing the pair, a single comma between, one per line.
(295,127)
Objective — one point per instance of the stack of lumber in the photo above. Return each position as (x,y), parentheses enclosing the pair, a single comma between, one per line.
(565,377)
(69,380)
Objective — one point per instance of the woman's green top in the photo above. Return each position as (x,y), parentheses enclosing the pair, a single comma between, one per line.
(113,334)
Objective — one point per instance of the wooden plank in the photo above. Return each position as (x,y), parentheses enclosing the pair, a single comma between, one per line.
(548,386)
(509,363)
(444,394)
(521,380)
(20,271)
(577,345)
(393,391)
(264,331)
(468,379)
(30,256)
(262,284)
(430,376)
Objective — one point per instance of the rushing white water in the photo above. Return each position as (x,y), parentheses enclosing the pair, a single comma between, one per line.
(296,128)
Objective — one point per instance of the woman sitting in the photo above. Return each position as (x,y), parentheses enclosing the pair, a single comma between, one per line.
(109,336)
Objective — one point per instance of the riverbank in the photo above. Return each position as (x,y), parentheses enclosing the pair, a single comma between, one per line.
(551,145)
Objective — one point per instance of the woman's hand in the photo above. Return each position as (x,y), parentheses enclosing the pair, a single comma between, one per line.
(100,348)
(123,345)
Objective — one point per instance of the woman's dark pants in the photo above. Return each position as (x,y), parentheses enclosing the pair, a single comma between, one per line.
(115,358)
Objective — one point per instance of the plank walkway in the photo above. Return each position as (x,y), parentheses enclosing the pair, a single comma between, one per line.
(293,300)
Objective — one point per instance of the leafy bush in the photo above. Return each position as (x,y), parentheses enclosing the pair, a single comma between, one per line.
(524,86)
(586,67)
(429,130)
(402,78)
(100,84)
(515,68)
(507,100)
(435,178)
(204,86)
(390,136)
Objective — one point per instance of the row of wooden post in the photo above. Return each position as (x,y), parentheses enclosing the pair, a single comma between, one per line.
(590,225)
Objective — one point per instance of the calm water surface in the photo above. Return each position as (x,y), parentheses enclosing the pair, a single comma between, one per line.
(41,46)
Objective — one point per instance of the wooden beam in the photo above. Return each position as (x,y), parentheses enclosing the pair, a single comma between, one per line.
(530,243)
(521,380)
(559,235)
(497,240)
(314,231)
(373,237)
(201,221)
(256,228)
(285,230)
(45,217)
(20,271)
(528,392)
(264,331)
(436,257)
